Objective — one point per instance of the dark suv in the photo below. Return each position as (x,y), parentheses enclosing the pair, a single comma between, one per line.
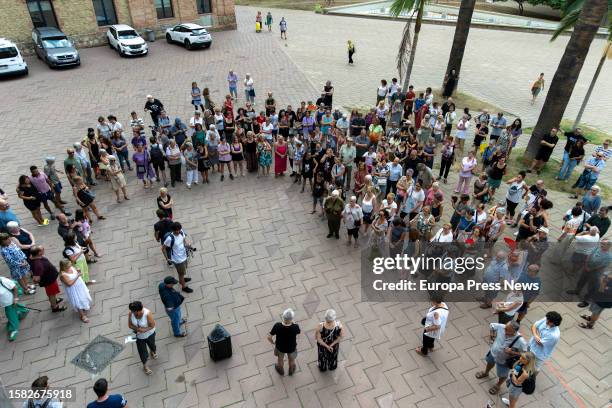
(53,47)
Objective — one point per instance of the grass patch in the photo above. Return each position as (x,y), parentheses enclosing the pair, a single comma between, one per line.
(517,163)
(309,5)
(593,135)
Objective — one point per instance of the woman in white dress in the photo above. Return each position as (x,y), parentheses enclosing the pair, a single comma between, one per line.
(75,289)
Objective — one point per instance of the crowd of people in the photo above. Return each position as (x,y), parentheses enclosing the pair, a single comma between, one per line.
(371,172)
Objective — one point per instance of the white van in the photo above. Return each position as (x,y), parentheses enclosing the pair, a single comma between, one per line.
(11,61)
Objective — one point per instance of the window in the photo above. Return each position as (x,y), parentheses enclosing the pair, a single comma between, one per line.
(42,14)
(105,12)
(164,9)
(204,6)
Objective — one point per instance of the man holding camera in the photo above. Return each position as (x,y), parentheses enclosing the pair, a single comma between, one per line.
(172,301)
(178,249)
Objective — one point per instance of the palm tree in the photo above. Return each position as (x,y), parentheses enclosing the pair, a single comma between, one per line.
(408,45)
(586,17)
(462,29)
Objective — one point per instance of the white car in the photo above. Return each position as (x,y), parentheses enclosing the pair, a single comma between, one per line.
(190,35)
(126,40)
(11,61)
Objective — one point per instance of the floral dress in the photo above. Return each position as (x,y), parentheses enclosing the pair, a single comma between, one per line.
(16,261)
(265,155)
(328,360)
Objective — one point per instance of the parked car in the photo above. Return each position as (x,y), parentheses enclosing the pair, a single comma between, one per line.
(126,40)
(53,47)
(11,61)
(190,35)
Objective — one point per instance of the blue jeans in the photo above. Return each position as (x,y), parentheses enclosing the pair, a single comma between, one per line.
(124,159)
(175,320)
(567,166)
(233,91)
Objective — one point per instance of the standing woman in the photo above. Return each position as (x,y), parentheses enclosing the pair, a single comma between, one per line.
(368,208)
(450,82)
(225,158)
(229,125)
(515,130)
(237,152)
(537,87)
(196,96)
(191,164)
(141,322)
(496,173)
(117,178)
(468,165)
(77,292)
(120,148)
(424,132)
(328,335)
(93,149)
(280,157)
(439,127)
(85,198)
(447,158)
(352,217)
(144,169)
(17,262)
(173,153)
(203,162)
(264,152)
(523,369)
(165,202)
(29,194)
(351,51)
(208,103)
(77,255)
(250,152)
(213,138)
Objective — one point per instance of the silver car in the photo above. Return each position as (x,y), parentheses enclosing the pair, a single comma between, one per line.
(53,47)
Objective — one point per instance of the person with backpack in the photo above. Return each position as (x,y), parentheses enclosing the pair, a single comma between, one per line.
(156,153)
(521,379)
(507,344)
(176,244)
(40,386)
(434,324)
(161,229)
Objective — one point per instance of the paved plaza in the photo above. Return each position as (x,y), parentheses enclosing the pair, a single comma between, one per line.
(259,249)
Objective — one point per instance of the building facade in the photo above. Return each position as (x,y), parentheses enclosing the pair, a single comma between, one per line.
(86,21)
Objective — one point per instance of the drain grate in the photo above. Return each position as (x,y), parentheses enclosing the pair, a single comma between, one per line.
(97,355)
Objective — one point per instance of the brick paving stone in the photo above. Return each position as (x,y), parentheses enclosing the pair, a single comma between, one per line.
(259,248)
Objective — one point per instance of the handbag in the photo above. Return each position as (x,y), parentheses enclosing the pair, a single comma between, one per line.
(510,361)
(357,223)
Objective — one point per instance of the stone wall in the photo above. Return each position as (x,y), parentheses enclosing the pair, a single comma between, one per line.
(77,19)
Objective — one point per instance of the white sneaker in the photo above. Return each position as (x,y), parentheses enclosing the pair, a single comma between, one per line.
(505,400)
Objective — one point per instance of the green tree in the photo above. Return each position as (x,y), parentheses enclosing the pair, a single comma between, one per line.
(586,17)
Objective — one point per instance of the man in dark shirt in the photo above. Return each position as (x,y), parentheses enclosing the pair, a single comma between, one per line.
(547,145)
(292,116)
(160,229)
(105,400)
(529,224)
(172,301)
(599,220)
(270,104)
(64,225)
(357,125)
(575,155)
(284,338)
(447,105)
(572,138)
(45,274)
(154,107)
(327,95)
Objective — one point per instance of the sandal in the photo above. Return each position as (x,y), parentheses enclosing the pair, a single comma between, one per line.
(85,319)
(101,217)
(585,317)
(586,325)
(481,374)
(494,390)
(58,309)
(147,370)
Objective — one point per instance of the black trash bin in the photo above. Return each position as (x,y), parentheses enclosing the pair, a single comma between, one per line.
(219,343)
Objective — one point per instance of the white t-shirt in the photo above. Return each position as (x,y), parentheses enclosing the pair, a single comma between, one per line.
(179,252)
(585,244)
(513,297)
(442,237)
(430,320)
(194,121)
(382,91)
(248,84)
(418,197)
(392,208)
(6,292)
(462,127)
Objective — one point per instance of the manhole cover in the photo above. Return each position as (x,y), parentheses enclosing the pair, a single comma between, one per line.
(97,355)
